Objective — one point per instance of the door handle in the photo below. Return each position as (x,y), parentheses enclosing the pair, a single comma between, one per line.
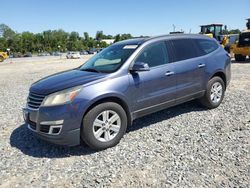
(201,65)
(169,73)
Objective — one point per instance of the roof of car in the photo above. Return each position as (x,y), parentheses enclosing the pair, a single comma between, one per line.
(134,41)
(179,36)
(138,41)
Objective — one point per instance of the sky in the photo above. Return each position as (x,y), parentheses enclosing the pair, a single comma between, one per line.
(138,17)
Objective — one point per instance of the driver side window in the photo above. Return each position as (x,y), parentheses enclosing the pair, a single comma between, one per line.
(154,55)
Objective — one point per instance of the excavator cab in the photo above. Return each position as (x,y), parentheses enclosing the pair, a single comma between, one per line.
(241,48)
(212,30)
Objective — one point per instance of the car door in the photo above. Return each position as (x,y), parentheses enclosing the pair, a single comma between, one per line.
(157,86)
(188,67)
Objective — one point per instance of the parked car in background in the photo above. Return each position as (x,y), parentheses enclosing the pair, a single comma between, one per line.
(97,101)
(44,54)
(17,54)
(56,53)
(92,51)
(84,52)
(99,50)
(73,55)
(27,54)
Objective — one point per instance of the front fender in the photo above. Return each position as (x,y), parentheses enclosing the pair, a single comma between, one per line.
(109,88)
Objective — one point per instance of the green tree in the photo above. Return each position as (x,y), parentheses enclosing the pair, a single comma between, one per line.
(234,31)
(72,44)
(120,37)
(6,31)
(86,36)
(117,38)
(27,42)
(3,44)
(99,35)
(52,40)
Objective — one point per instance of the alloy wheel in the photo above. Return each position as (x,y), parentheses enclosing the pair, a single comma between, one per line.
(106,126)
(216,92)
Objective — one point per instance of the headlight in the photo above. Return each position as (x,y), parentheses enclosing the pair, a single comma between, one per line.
(61,97)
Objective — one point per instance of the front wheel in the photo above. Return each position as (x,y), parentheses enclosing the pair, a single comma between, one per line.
(214,93)
(104,125)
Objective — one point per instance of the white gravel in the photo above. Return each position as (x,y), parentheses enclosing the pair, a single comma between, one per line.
(184,146)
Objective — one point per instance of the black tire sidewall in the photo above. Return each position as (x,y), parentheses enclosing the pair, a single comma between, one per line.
(239,57)
(209,86)
(87,134)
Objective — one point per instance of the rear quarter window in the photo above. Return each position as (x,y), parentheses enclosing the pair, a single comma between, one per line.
(206,46)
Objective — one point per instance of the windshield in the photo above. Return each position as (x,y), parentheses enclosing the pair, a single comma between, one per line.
(109,59)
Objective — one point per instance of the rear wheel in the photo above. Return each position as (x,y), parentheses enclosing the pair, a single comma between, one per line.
(214,93)
(104,125)
(239,57)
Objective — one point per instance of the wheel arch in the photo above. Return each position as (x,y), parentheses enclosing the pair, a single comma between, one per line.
(114,99)
(222,75)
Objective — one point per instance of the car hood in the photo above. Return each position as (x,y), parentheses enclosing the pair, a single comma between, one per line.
(64,80)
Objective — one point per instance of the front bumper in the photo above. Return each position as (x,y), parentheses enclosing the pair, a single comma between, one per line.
(54,124)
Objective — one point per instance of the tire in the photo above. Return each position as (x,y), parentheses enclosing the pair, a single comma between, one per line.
(213,101)
(227,49)
(1,59)
(109,133)
(239,57)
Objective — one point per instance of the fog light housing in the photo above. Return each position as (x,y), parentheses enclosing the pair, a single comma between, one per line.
(55,130)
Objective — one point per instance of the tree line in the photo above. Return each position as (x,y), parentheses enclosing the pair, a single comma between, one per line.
(52,40)
(59,40)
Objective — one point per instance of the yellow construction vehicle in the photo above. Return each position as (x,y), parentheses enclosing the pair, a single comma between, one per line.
(3,56)
(212,30)
(215,31)
(241,48)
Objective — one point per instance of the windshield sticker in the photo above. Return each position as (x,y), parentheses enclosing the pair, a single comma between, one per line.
(130,47)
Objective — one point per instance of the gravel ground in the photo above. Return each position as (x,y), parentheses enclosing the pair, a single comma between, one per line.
(184,146)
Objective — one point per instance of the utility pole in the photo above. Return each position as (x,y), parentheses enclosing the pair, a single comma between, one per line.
(174,28)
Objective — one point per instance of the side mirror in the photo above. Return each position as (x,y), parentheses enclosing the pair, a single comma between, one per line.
(140,66)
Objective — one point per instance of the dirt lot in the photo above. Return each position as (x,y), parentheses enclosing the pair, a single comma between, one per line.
(184,146)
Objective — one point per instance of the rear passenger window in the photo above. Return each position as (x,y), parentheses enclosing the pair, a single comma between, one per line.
(154,55)
(206,46)
(184,49)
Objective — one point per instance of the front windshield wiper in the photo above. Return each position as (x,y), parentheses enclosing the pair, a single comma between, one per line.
(90,70)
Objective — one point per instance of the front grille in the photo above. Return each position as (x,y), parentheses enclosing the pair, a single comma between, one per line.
(35,100)
(44,128)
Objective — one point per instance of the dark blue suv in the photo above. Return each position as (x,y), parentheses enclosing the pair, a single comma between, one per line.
(97,101)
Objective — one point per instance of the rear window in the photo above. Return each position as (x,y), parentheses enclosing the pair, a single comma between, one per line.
(206,46)
(184,49)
